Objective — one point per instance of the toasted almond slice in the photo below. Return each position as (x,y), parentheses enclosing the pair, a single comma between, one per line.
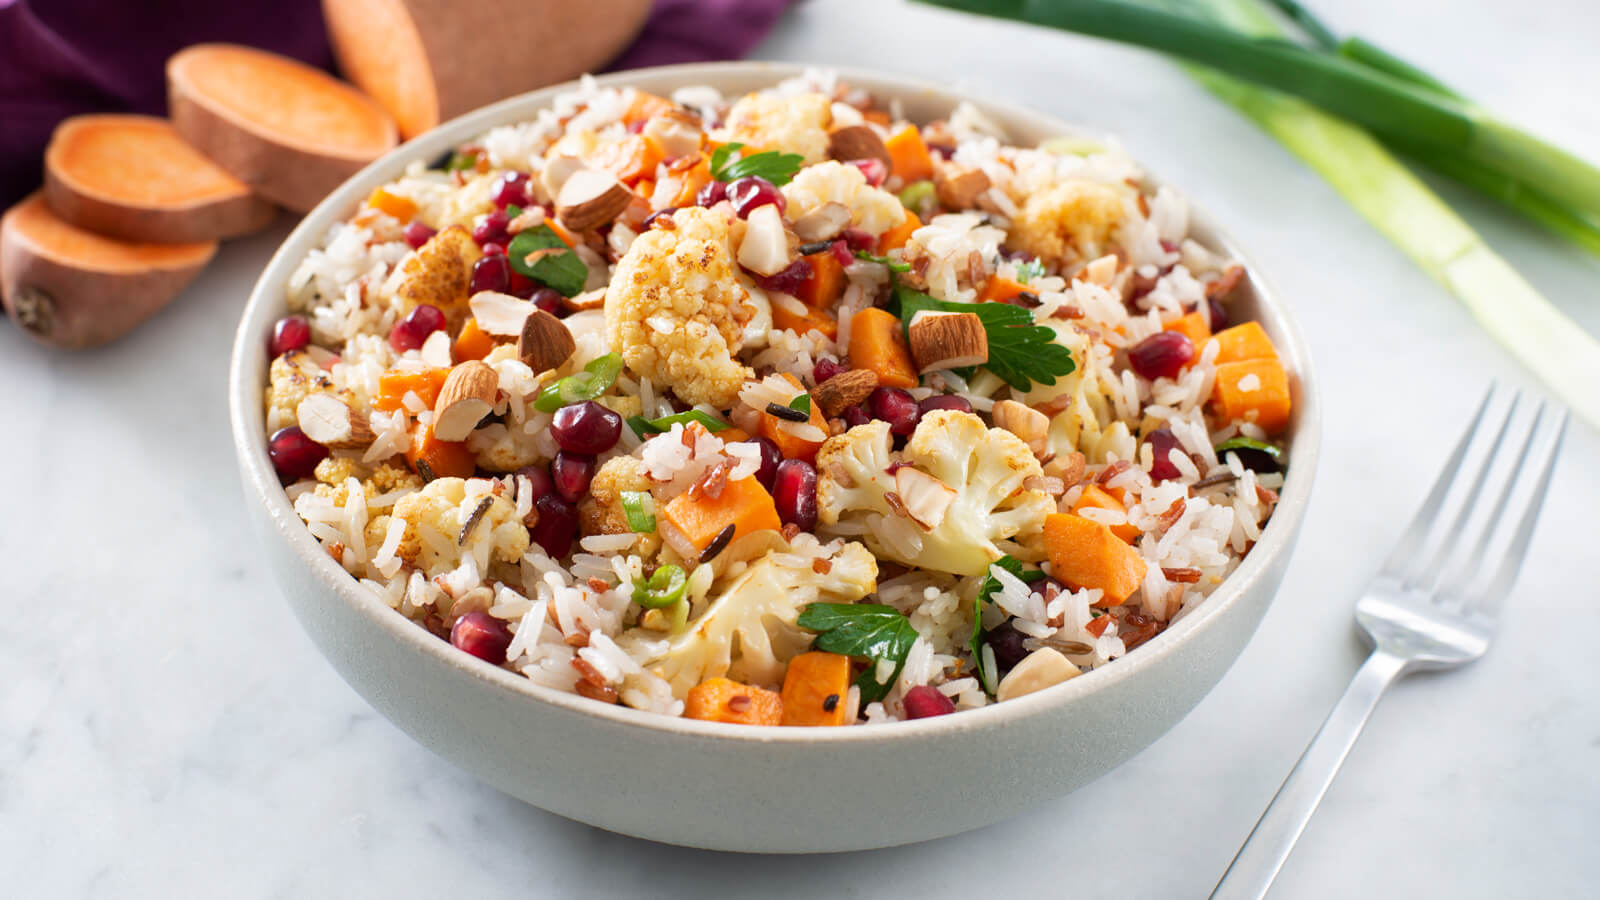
(764,248)
(557,171)
(925,497)
(1025,422)
(844,390)
(532,217)
(959,188)
(544,342)
(595,299)
(332,423)
(467,396)
(823,222)
(500,314)
(590,198)
(947,340)
(677,130)
(1042,668)
(1101,271)
(858,142)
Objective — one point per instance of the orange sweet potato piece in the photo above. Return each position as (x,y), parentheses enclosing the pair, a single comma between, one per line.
(811,320)
(698,176)
(445,459)
(1192,326)
(896,237)
(630,159)
(789,446)
(814,689)
(133,178)
(394,384)
(1264,400)
(645,105)
(733,435)
(392,204)
(826,283)
(290,131)
(1096,497)
(700,517)
(472,343)
(1086,554)
(876,343)
(909,154)
(1245,341)
(725,700)
(999,290)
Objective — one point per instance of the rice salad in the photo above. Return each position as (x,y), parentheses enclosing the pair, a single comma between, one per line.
(777,409)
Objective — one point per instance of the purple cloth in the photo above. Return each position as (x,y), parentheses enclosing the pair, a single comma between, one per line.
(59,58)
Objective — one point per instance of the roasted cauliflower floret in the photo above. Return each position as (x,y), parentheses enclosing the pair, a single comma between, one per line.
(873,210)
(1070,220)
(334,473)
(439,273)
(748,632)
(601,512)
(436,515)
(767,121)
(956,503)
(292,377)
(676,312)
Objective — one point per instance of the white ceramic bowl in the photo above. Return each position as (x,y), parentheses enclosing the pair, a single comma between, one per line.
(731,787)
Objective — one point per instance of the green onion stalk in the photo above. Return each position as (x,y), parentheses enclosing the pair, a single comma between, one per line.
(1240,38)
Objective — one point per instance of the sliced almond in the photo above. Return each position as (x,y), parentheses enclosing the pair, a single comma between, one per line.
(1042,668)
(925,497)
(332,423)
(545,343)
(1068,467)
(532,217)
(595,299)
(858,142)
(1101,271)
(1027,423)
(500,314)
(468,395)
(959,188)
(947,340)
(678,131)
(590,198)
(764,248)
(844,390)
(823,222)
(557,171)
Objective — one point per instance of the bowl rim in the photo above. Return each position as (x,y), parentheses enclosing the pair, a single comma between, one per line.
(261,483)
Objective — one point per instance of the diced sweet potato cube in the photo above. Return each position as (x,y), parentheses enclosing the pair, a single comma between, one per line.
(814,689)
(1244,341)
(826,283)
(790,446)
(394,384)
(909,154)
(877,343)
(1192,326)
(896,237)
(811,320)
(1253,390)
(725,700)
(1096,497)
(745,504)
(1086,554)
(472,343)
(441,459)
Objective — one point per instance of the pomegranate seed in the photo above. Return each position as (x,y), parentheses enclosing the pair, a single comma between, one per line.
(924,700)
(825,369)
(858,239)
(291,333)
(491,273)
(586,428)
(943,151)
(492,230)
(417,234)
(895,406)
(842,253)
(412,331)
(770,458)
(1161,355)
(857,415)
(294,455)
(481,635)
(873,168)
(789,280)
(1162,443)
(1219,314)
(538,479)
(943,401)
(713,193)
(510,190)
(752,191)
(571,473)
(794,490)
(493,249)
(1007,645)
(557,525)
(549,300)
(522,286)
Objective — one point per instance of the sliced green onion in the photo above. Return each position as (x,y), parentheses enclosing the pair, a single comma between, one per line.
(663,588)
(644,427)
(1244,443)
(915,194)
(594,380)
(1070,145)
(884,261)
(640,509)
(1030,270)
(461,160)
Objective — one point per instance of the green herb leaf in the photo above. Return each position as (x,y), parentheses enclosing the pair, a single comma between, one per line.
(991,586)
(1030,270)
(462,160)
(563,270)
(1020,352)
(640,508)
(775,167)
(884,260)
(593,381)
(864,630)
(513,210)
(663,588)
(645,427)
(801,403)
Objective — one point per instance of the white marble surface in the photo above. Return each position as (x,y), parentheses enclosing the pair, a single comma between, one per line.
(166,730)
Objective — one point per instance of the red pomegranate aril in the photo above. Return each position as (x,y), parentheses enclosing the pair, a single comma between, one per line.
(557,525)
(492,230)
(539,482)
(1219,314)
(294,455)
(586,428)
(771,456)
(752,191)
(943,151)
(873,168)
(571,473)
(826,368)
(857,239)
(857,415)
(481,635)
(412,331)
(1161,355)
(417,234)
(842,253)
(491,273)
(895,406)
(789,280)
(1162,443)
(943,401)
(521,285)
(549,300)
(493,249)
(924,700)
(794,490)
(291,333)
(713,193)
(511,190)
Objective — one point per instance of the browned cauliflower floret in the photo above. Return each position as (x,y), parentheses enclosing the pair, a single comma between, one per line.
(436,515)
(439,273)
(1068,221)
(291,378)
(676,312)
(334,472)
(601,512)
(767,121)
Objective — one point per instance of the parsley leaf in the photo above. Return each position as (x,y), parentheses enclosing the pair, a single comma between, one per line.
(990,587)
(775,167)
(802,403)
(869,630)
(1030,270)
(644,427)
(1020,352)
(884,260)
(561,269)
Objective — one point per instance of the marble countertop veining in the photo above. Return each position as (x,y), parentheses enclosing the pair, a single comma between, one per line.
(166,729)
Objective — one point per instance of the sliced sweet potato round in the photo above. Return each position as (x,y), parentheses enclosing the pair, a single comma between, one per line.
(431,60)
(291,132)
(133,177)
(73,288)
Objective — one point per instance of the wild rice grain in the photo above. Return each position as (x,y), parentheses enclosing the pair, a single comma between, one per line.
(473,520)
(718,544)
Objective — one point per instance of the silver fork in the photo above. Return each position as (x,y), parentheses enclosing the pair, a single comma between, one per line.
(1434,605)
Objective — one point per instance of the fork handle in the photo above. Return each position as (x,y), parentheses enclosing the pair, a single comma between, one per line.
(1257,863)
